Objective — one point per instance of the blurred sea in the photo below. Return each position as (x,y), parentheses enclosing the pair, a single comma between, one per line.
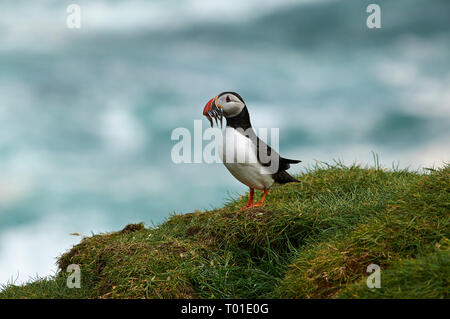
(86,114)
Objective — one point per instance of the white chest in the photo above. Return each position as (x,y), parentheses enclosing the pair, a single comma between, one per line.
(239,155)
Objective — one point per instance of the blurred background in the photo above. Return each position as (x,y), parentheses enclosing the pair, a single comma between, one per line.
(86,114)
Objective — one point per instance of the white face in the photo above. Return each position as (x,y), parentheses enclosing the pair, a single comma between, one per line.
(231,104)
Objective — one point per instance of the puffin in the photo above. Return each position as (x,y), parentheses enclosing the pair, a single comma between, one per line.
(249,159)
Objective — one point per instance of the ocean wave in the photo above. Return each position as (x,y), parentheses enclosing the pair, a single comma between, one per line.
(41,25)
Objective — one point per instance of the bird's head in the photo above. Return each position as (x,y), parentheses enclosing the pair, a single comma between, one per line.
(226,104)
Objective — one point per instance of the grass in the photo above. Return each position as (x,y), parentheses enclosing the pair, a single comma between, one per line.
(313,239)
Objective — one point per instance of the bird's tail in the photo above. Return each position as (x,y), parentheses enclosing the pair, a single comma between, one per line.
(284,177)
(292,161)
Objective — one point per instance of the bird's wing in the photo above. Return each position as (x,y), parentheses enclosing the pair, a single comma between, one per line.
(265,151)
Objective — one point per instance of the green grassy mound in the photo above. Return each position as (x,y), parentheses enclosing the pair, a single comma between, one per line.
(313,239)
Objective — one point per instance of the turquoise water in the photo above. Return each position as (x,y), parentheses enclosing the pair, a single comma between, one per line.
(86,115)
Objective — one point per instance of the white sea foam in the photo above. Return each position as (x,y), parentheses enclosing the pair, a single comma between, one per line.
(121,131)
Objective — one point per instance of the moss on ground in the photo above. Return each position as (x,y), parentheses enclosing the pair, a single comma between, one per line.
(313,239)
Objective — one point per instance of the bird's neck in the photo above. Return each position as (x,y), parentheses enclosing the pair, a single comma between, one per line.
(242,120)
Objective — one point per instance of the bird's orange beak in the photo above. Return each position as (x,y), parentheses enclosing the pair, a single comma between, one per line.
(212,110)
(208,106)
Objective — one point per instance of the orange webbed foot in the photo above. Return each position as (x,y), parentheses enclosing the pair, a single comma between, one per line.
(261,202)
(250,200)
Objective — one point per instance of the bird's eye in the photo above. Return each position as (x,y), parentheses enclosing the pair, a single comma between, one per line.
(228,98)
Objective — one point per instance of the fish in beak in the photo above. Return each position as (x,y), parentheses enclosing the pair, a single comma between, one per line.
(212,110)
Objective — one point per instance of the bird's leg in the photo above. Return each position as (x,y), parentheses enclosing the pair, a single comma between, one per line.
(261,202)
(250,199)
